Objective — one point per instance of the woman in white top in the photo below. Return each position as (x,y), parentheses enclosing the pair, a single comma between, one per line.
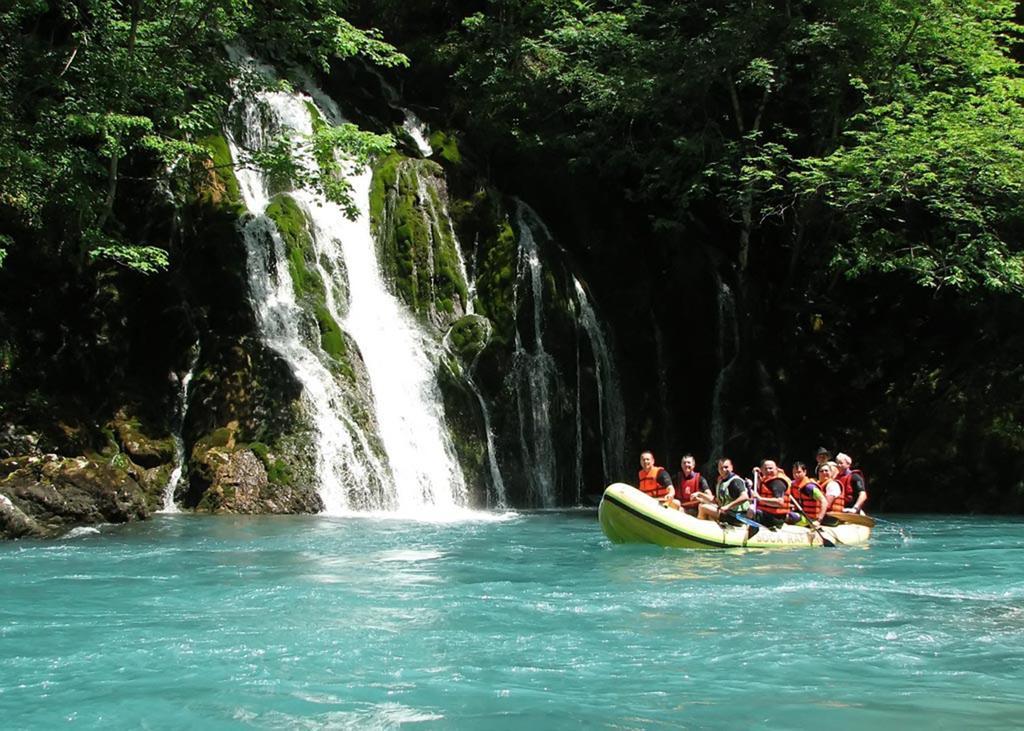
(827,482)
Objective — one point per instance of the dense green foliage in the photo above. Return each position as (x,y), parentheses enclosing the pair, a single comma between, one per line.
(893,125)
(103,99)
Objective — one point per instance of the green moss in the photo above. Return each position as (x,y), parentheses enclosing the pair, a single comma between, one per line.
(496,281)
(445,147)
(417,246)
(261,450)
(293,226)
(279,473)
(223,187)
(469,335)
(217,438)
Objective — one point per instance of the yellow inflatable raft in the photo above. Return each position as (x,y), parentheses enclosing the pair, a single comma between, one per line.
(629,516)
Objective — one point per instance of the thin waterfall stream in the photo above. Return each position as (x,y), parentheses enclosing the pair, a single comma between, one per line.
(180,412)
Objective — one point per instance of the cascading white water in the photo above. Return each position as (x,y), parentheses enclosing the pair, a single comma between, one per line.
(180,412)
(728,332)
(282,322)
(412,124)
(422,471)
(611,408)
(534,369)
(400,361)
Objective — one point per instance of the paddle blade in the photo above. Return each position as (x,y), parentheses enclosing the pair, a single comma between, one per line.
(856,518)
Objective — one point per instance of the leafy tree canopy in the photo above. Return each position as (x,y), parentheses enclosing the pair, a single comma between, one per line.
(893,127)
(104,95)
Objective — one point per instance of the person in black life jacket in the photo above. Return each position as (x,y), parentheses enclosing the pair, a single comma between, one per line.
(821,457)
(654,480)
(855,490)
(772,495)
(688,482)
(730,498)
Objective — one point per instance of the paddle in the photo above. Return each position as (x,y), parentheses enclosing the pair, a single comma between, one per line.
(856,518)
(800,509)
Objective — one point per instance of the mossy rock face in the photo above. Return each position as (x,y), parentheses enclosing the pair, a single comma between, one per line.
(416,242)
(445,146)
(239,483)
(293,226)
(220,189)
(496,280)
(465,427)
(468,336)
(307,282)
(49,495)
(144,450)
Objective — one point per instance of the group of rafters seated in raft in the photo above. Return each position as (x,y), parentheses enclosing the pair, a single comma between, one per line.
(771,499)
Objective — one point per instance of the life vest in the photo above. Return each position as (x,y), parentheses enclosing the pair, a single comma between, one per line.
(686,487)
(648,482)
(762,490)
(847,482)
(724,498)
(839,503)
(806,498)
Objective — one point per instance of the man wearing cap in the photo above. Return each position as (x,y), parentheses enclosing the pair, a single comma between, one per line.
(822,457)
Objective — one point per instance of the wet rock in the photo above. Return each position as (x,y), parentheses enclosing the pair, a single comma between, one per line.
(144,450)
(48,495)
(15,524)
(236,480)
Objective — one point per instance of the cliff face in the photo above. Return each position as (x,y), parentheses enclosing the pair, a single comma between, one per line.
(125,394)
(562,341)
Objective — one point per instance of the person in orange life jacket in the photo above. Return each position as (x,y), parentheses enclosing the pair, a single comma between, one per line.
(832,489)
(821,457)
(688,482)
(806,492)
(653,480)
(730,498)
(855,491)
(772,495)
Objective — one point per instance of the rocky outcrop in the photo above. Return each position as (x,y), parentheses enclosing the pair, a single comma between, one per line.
(247,479)
(45,496)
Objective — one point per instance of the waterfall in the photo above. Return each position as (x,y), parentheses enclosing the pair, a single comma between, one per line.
(611,408)
(180,412)
(533,368)
(728,331)
(421,470)
(500,501)
(579,429)
(400,361)
(412,124)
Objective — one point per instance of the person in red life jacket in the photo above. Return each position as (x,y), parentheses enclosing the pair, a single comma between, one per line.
(688,482)
(821,457)
(730,498)
(806,492)
(653,480)
(855,490)
(828,485)
(772,495)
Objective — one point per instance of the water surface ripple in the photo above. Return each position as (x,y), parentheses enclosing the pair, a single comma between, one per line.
(534,621)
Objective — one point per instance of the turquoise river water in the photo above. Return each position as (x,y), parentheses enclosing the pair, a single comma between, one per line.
(526,621)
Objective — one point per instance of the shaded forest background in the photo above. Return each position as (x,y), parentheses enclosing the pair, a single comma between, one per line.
(851,173)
